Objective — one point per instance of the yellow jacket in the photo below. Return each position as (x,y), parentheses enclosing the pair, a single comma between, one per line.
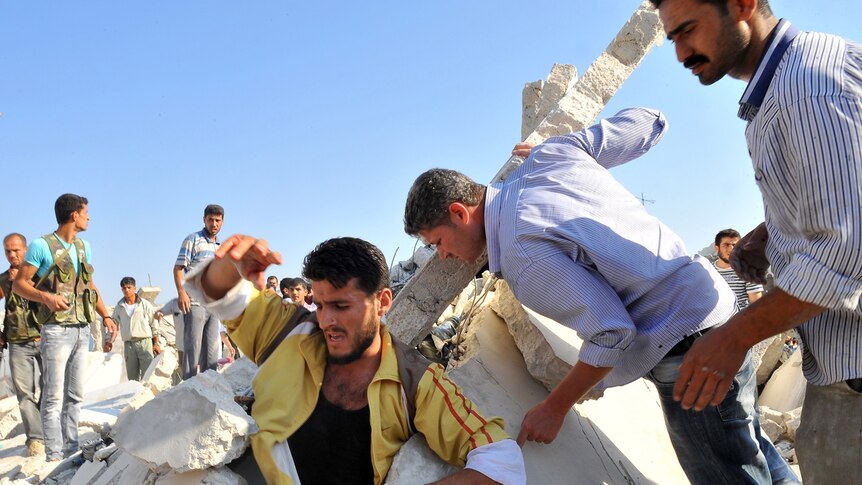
(288,384)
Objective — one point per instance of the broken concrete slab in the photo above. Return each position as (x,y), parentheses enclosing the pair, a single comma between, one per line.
(104,369)
(600,442)
(540,98)
(125,469)
(159,375)
(102,407)
(791,423)
(10,418)
(765,356)
(786,389)
(239,375)
(207,427)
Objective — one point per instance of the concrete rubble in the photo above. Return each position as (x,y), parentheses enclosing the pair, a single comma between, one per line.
(207,428)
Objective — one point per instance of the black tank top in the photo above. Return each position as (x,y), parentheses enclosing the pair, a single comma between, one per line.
(333,446)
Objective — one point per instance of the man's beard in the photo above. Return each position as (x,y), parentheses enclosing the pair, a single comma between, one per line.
(361,346)
(723,259)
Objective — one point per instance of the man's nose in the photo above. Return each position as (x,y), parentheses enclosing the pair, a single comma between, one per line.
(682,51)
(443,254)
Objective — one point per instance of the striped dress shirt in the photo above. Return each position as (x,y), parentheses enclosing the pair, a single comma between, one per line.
(804,112)
(577,247)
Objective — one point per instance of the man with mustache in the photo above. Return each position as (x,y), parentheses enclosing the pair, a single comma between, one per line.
(335,400)
(803,114)
(577,247)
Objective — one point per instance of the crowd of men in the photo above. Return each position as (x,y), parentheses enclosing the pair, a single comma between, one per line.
(623,280)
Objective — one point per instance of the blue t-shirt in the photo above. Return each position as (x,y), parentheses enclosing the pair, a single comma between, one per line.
(39,255)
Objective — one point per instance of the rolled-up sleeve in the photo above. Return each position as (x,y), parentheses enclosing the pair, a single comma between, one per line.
(459,434)
(826,267)
(621,138)
(582,300)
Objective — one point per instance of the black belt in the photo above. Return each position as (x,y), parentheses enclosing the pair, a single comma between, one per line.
(686,343)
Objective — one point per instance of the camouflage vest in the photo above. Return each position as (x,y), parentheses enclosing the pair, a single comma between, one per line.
(18,324)
(62,279)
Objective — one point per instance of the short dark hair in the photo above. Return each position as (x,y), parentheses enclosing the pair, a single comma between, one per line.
(127,280)
(291,282)
(721,5)
(342,259)
(431,194)
(285,283)
(66,204)
(214,210)
(14,235)
(725,233)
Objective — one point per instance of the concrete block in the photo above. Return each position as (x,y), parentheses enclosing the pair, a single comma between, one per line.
(104,370)
(207,428)
(125,470)
(159,376)
(89,472)
(771,429)
(792,419)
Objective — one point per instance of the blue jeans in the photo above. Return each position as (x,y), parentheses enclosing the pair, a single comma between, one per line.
(24,360)
(721,444)
(64,350)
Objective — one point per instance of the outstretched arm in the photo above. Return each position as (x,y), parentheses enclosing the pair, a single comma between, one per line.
(239,257)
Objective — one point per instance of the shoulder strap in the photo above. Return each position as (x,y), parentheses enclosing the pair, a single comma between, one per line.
(299,316)
(411,368)
(54,260)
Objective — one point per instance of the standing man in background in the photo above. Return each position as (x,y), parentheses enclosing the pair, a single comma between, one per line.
(68,300)
(22,336)
(201,337)
(138,329)
(746,293)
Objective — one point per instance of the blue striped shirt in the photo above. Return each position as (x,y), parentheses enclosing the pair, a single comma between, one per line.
(197,247)
(577,247)
(804,112)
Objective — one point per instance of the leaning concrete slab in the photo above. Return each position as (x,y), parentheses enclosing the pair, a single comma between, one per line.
(424,297)
(600,442)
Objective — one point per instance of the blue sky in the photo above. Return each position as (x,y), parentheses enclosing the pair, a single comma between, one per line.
(311,120)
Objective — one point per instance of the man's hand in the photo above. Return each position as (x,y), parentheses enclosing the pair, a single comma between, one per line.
(748,258)
(159,315)
(55,302)
(111,326)
(107,346)
(522,150)
(250,256)
(542,423)
(183,301)
(157,349)
(708,369)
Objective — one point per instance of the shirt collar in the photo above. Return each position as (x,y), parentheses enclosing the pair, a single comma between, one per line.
(492,225)
(776,45)
(204,234)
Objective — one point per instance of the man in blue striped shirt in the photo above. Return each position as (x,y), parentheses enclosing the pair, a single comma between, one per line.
(576,246)
(803,113)
(201,337)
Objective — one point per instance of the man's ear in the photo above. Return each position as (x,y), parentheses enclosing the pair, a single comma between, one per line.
(385,299)
(742,10)
(458,213)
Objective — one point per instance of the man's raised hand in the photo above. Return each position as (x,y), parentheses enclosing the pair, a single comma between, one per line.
(250,256)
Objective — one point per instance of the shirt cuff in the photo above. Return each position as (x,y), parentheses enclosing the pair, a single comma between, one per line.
(228,307)
(501,461)
(813,282)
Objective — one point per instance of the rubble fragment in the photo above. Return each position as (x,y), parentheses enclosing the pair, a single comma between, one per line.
(207,428)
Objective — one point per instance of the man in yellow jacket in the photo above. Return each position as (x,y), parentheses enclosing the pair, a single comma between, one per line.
(335,400)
